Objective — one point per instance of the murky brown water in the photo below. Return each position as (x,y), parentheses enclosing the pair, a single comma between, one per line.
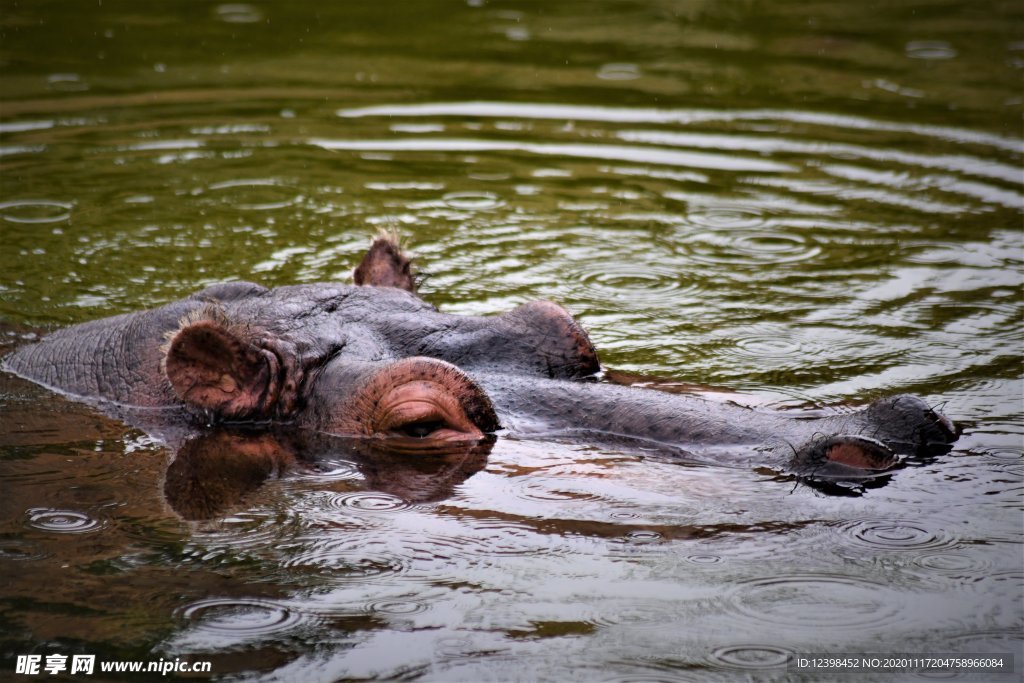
(806,203)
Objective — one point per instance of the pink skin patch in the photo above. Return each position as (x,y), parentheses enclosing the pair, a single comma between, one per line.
(860,452)
(421,398)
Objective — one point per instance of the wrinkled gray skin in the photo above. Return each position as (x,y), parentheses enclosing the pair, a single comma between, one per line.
(304,356)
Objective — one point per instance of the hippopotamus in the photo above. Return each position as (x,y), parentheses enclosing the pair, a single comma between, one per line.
(374,362)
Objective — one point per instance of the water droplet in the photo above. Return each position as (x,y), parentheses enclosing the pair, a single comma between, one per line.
(930,49)
(763,347)
(62,521)
(734,237)
(756,657)
(35,211)
(367,501)
(896,535)
(603,280)
(953,563)
(240,618)
(619,72)
(643,536)
(472,201)
(344,561)
(518,33)
(66,83)
(259,194)
(826,602)
(239,13)
(394,606)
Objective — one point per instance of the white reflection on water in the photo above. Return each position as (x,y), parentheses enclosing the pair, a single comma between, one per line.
(651,155)
(678,116)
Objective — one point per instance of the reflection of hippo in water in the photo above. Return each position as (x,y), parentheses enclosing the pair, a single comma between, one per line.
(375,360)
(217,467)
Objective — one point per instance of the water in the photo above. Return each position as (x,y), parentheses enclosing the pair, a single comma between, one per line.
(806,204)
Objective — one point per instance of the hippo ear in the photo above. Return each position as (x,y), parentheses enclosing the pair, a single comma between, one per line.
(214,366)
(386,265)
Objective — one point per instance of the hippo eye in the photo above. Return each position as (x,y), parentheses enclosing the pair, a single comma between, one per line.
(422,400)
(421,429)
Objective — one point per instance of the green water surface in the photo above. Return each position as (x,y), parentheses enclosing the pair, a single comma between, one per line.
(808,203)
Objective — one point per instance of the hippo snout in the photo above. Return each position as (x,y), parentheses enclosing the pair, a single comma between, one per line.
(874,440)
(910,426)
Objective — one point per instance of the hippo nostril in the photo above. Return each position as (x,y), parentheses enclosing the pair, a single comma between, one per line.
(938,434)
(947,431)
(849,450)
(909,424)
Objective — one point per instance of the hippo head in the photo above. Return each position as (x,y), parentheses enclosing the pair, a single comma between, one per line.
(237,373)
(375,362)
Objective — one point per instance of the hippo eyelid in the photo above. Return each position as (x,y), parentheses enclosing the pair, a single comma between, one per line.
(423,428)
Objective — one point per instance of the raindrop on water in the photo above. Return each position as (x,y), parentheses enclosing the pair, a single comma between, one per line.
(619,72)
(757,657)
(240,617)
(472,201)
(62,521)
(35,211)
(930,49)
(238,13)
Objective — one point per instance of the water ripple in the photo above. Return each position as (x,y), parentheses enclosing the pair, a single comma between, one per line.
(1004,455)
(994,641)
(16,550)
(954,564)
(619,72)
(246,532)
(896,535)
(661,674)
(637,613)
(818,601)
(67,82)
(493,538)
(560,112)
(239,617)
(332,470)
(630,153)
(731,243)
(754,657)
(62,521)
(603,280)
(259,194)
(35,211)
(930,49)
(732,218)
(774,345)
(643,537)
(367,501)
(473,201)
(345,561)
(538,488)
(397,606)
(239,13)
